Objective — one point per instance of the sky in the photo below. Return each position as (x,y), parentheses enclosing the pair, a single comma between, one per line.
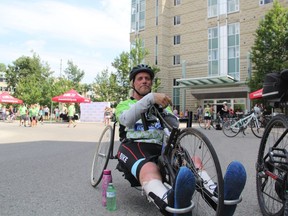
(91,33)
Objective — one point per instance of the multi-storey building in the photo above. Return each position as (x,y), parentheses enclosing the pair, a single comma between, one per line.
(3,84)
(202,47)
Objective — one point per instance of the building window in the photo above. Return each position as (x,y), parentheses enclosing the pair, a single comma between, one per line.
(156,50)
(233,50)
(156,12)
(232,6)
(177,39)
(212,8)
(176,59)
(177,20)
(177,2)
(137,15)
(213,52)
(176,95)
(262,2)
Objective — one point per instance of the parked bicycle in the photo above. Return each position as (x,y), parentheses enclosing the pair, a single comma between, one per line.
(272,160)
(216,123)
(179,148)
(233,127)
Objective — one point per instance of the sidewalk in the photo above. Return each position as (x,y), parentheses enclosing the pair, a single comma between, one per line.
(13,133)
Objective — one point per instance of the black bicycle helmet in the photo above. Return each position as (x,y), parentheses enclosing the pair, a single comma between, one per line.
(141,68)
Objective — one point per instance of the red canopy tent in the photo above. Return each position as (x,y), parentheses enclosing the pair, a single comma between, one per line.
(71,96)
(5,97)
(256,94)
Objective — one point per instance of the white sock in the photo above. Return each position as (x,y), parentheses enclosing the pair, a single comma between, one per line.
(157,187)
(208,182)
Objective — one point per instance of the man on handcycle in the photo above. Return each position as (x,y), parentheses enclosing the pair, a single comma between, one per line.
(139,149)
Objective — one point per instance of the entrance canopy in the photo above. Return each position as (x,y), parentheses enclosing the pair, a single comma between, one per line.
(256,94)
(206,81)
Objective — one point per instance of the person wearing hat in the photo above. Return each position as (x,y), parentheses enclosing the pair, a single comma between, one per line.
(139,149)
(224,111)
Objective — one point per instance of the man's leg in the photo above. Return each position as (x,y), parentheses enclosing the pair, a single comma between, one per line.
(151,180)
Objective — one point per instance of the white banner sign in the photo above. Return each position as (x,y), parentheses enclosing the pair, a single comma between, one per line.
(93,112)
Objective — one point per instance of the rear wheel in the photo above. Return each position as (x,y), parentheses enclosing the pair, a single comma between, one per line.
(271,168)
(203,160)
(231,128)
(102,155)
(257,131)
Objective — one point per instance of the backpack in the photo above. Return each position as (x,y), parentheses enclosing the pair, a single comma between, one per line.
(274,86)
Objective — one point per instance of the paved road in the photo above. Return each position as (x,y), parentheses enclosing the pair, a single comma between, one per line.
(46,170)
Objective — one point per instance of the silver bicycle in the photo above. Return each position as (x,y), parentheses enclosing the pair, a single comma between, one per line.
(232,127)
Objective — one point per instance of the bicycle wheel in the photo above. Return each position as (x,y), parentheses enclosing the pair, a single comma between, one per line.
(231,128)
(269,171)
(198,147)
(257,131)
(101,156)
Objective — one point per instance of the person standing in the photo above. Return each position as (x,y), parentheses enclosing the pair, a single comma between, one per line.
(207,116)
(107,115)
(41,114)
(23,114)
(56,113)
(224,112)
(71,113)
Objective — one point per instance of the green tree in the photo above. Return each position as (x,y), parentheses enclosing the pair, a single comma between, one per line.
(117,86)
(270,49)
(138,52)
(74,74)
(29,76)
(2,67)
(105,86)
(122,66)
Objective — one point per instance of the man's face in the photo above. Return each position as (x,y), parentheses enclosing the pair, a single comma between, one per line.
(143,83)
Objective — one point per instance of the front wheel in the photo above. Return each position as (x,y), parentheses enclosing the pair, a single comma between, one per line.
(272,167)
(203,161)
(257,128)
(102,155)
(231,128)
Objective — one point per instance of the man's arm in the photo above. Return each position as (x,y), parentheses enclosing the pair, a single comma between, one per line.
(128,114)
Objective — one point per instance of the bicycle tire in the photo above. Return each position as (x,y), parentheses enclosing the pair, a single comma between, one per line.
(231,128)
(102,155)
(196,144)
(269,198)
(258,132)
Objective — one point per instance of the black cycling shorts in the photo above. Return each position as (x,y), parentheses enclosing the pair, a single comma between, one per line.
(134,155)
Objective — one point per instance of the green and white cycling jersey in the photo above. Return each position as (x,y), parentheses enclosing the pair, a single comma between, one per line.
(128,114)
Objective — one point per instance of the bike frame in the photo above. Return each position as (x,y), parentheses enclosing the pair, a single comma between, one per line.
(244,122)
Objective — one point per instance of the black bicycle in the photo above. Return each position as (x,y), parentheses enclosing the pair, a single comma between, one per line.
(272,162)
(182,147)
(216,123)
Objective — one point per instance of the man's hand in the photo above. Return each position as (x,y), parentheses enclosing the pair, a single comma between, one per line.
(162,99)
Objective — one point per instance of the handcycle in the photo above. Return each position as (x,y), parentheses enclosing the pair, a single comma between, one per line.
(233,127)
(180,148)
(272,164)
